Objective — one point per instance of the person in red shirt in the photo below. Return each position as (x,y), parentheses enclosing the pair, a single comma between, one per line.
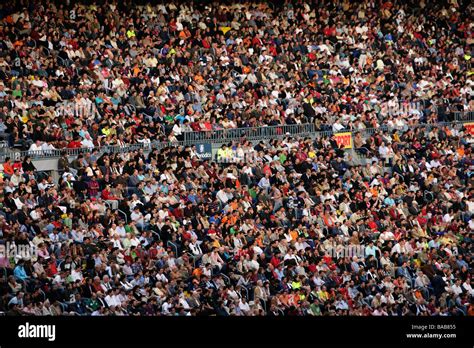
(7,167)
(107,195)
(205,43)
(17,165)
(275,261)
(93,187)
(257,42)
(51,270)
(74,144)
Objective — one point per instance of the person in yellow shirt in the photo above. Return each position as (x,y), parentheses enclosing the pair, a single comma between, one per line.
(301,296)
(220,154)
(323,295)
(216,244)
(225,29)
(130,33)
(396,137)
(228,153)
(295,285)
(106,131)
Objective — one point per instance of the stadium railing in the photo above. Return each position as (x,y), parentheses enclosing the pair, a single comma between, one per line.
(250,133)
(464,116)
(225,136)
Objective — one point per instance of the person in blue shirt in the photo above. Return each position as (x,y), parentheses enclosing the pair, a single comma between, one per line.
(99,100)
(230,41)
(389,201)
(192,197)
(434,243)
(180,118)
(388,37)
(371,249)
(462,263)
(164,188)
(17,300)
(19,271)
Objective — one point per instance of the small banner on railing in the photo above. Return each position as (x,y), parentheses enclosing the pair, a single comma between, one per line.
(344,139)
(204,151)
(469,127)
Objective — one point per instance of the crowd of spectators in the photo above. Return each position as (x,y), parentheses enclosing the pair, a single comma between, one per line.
(283,227)
(78,74)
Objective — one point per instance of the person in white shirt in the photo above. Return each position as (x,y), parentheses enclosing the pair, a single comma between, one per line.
(87,142)
(166,306)
(380,311)
(177,130)
(112,299)
(456,288)
(36,214)
(195,247)
(59,279)
(371,249)
(76,274)
(341,304)
(301,244)
(16,179)
(434,163)
(138,218)
(117,242)
(134,202)
(126,285)
(290,256)
(385,151)
(336,127)
(467,287)
(252,265)
(264,182)
(386,236)
(183,302)
(134,241)
(46,148)
(244,306)
(160,277)
(36,146)
(105,285)
(400,247)
(222,196)
(120,230)
(19,204)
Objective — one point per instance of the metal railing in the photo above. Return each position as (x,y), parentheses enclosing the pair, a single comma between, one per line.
(426,126)
(464,116)
(56,153)
(123,214)
(302,130)
(174,246)
(250,133)
(224,136)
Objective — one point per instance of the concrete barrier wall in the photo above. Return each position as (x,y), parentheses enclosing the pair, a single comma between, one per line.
(46,164)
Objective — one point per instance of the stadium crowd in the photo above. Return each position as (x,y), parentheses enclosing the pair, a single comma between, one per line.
(82,75)
(293,226)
